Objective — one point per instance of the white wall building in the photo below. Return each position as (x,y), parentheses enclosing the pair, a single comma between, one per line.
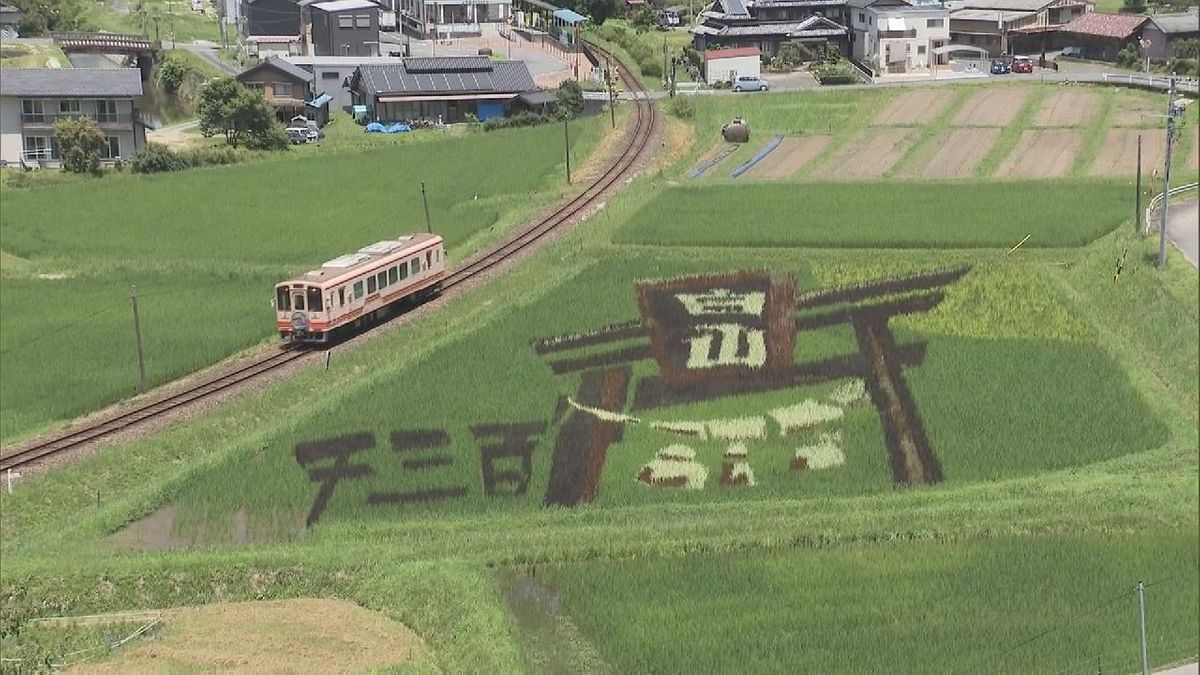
(893,36)
(724,65)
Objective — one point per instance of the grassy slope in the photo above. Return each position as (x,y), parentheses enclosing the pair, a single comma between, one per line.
(894,214)
(55,561)
(184,249)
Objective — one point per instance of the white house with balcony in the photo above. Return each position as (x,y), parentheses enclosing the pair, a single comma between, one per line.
(894,36)
(32,100)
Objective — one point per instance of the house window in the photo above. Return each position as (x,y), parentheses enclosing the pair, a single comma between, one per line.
(38,147)
(346,21)
(68,106)
(330,75)
(362,20)
(254,86)
(862,18)
(106,111)
(283,88)
(32,111)
(920,49)
(112,148)
(935,23)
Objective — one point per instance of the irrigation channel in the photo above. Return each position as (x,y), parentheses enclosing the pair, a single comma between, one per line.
(645,120)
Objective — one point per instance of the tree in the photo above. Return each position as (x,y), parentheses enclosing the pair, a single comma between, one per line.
(598,10)
(172,72)
(1133,7)
(80,144)
(43,16)
(569,99)
(226,107)
(645,19)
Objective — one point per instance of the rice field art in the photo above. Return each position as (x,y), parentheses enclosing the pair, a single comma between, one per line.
(745,384)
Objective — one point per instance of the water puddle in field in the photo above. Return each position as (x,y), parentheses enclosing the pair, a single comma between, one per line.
(162,531)
(550,640)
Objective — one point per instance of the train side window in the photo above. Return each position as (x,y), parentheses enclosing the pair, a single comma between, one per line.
(358,292)
(428,259)
(403,270)
(314,298)
(415,263)
(370,285)
(342,296)
(393,276)
(283,301)
(381,279)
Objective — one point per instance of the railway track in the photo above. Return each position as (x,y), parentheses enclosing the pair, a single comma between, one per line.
(644,119)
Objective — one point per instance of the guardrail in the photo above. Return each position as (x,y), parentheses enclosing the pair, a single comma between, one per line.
(691,88)
(1150,81)
(1156,202)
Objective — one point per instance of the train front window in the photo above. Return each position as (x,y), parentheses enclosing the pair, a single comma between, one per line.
(283,302)
(314,298)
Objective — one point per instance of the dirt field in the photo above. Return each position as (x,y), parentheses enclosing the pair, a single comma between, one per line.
(1118,155)
(958,152)
(991,107)
(869,155)
(914,107)
(280,636)
(1067,109)
(1042,154)
(792,155)
(1136,114)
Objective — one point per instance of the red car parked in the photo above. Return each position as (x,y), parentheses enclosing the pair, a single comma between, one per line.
(1022,64)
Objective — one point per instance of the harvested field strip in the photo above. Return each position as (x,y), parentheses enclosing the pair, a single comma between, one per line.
(995,107)
(1010,136)
(792,156)
(914,107)
(1068,109)
(757,157)
(1118,154)
(1094,133)
(712,158)
(871,154)
(923,136)
(958,152)
(1043,154)
(969,215)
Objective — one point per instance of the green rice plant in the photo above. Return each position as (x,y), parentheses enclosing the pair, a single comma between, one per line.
(206,246)
(881,215)
(1038,604)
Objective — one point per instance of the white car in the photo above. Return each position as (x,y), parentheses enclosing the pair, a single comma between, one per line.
(750,83)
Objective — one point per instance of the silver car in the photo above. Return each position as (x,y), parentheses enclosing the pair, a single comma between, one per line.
(750,83)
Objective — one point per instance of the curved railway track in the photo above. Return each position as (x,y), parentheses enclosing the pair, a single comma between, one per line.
(638,139)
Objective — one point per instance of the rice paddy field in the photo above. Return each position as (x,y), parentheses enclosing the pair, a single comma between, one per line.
(679,439)
(205,247)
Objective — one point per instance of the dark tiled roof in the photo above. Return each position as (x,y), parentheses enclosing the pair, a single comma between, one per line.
(1173,24)
(283,67)
(447,64)
(499,77)
(1105,25)
(93,82)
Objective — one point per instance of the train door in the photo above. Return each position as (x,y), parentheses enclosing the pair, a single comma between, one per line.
(298,299)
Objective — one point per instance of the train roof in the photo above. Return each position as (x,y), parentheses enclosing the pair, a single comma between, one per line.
(345,266)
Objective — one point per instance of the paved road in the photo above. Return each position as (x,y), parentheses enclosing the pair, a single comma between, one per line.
(1183,228)
(209,52)
(1190,669)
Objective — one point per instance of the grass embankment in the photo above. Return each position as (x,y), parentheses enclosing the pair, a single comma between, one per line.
(204,248)
(882,215)
(163,20)
(32,56)
(1013,604)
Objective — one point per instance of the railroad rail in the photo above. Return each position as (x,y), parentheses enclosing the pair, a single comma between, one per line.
(644,120)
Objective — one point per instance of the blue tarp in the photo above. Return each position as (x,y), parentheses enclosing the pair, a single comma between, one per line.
(397,128)
(490,109)
(567,16)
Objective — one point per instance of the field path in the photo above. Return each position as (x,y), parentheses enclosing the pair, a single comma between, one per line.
(1183,228)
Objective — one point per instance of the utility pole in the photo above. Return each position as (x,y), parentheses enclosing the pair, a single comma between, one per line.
(1137,197)
(1141,593)
(137,334)
(567,142)
(1162,234)
(425,199)
(612,91)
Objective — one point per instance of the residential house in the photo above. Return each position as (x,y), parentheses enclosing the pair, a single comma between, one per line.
(332,74)
(288,88)
(441,88)
(10,21)
(1103,36)
(340,28)
(31,100)
(454,18)
(270,18)
(725,65)
(767,24)
(893,36)
(1013,26)
(1163,31)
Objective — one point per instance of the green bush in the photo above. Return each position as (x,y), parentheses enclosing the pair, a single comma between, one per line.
(682,107)
(834,73)
(173,71)
(80,144)
(524,119)
(158,158)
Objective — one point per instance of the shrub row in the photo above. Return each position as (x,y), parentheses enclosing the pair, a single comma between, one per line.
(524,119)
(158,158)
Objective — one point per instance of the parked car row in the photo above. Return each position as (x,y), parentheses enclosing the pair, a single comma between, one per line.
(1018,64)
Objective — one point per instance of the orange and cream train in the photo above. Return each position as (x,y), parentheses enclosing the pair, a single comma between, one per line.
(359,287)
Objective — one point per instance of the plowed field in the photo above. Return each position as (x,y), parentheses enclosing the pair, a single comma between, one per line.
(958,152)
(792,155)
(1118,155)
(991,107)
(871,154)
(1042,153)
(914,107)
(1067,109)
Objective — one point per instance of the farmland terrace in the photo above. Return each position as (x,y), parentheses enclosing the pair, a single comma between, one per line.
(832,419)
